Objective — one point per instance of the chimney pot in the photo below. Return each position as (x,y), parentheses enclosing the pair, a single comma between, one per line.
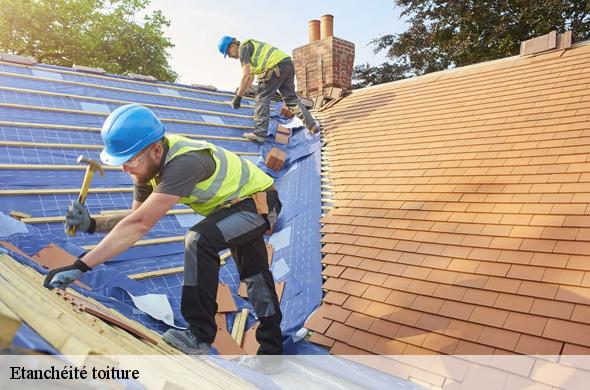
(314,30)
(327,26)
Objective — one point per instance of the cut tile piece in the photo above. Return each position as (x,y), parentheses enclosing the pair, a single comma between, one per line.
(250,344)
(224,343)
(225,300)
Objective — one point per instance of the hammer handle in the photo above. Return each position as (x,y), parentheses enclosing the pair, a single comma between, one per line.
(71,231)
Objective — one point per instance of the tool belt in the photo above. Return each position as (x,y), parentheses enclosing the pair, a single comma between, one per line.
(261,200)
(267,74)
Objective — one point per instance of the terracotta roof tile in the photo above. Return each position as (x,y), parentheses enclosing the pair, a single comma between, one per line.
(317,321)
(489,316)
(354,288)
(338,331)
(563,276)
(374,278)
(469,348)
(335,298)
(364,340)
(499,338)
(567,331)
(433,323)
(320,339)
(383,327)
(422,287)
(340,348)
(525,323)
(361,321)
(333,270)
(550,308)
(356,304)
(352,274)
(456,310)
(514,302)
(386,346)
(526,272)
(541,290)
(410,335)
(336,313)
(581,313)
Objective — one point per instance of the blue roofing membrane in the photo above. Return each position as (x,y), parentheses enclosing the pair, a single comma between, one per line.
(53,105)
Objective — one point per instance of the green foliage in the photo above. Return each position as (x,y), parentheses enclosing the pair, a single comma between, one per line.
(444,34)
(97,33)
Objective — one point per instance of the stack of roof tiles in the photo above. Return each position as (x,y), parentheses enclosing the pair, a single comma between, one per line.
(461,219)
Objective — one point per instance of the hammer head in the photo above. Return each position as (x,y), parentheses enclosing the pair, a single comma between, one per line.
(92,164)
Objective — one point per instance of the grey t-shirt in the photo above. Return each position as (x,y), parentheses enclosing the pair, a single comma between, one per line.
(245,53)
(179,176)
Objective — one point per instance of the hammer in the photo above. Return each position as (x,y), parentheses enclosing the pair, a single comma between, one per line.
(92,166)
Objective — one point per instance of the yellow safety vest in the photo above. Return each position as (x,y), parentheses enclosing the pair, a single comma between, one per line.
(233,178)
(264,56)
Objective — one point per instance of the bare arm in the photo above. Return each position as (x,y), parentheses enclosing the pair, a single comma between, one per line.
(105,224)
(246,81)
(131,228)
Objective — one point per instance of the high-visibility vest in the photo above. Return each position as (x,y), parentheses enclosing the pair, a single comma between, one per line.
(233,178)
(264,56)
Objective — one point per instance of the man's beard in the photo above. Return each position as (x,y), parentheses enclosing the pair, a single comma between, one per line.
(152,171)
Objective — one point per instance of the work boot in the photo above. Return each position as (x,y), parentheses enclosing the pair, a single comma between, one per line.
(254,137)
(186,341)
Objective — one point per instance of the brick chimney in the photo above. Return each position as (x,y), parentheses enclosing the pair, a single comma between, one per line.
(325,62)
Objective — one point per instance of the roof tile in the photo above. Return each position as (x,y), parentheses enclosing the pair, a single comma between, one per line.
(386,346)
(499,338)
(356,304)
(531,345)
(549,308)
(456,310)
(382,327)
(567,331)
(525,323)
(536,289)
(489,316)
(514,302)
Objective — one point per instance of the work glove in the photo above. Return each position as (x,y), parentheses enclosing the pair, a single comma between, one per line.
(236,102)
(79,217)
(63,276)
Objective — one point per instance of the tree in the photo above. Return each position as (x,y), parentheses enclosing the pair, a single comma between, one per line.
(444,34)
(97,33)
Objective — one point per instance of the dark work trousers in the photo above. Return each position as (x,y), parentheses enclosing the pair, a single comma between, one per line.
(285,84)
(240,229)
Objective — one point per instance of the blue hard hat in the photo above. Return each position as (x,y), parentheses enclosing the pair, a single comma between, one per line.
(224,43)
(127,131)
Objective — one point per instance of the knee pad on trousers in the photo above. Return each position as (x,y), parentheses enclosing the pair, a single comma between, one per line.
(260,296)
(191,240)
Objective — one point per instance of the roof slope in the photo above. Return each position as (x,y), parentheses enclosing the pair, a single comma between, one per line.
(461,219)
(50,115)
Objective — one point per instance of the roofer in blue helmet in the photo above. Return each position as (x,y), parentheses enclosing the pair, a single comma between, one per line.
(275,72)
(238,200)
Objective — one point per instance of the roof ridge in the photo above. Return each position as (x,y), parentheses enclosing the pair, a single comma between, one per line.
(471,66)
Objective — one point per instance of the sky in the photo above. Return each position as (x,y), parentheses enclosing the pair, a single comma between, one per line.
(197,25)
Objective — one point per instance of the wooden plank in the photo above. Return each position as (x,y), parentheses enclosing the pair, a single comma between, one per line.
(19,215)
(237,332)
(122,102)
(152,241)
(60,218)
(168,271)
(9,325)
(79,146)
(104,114)
(55,191)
